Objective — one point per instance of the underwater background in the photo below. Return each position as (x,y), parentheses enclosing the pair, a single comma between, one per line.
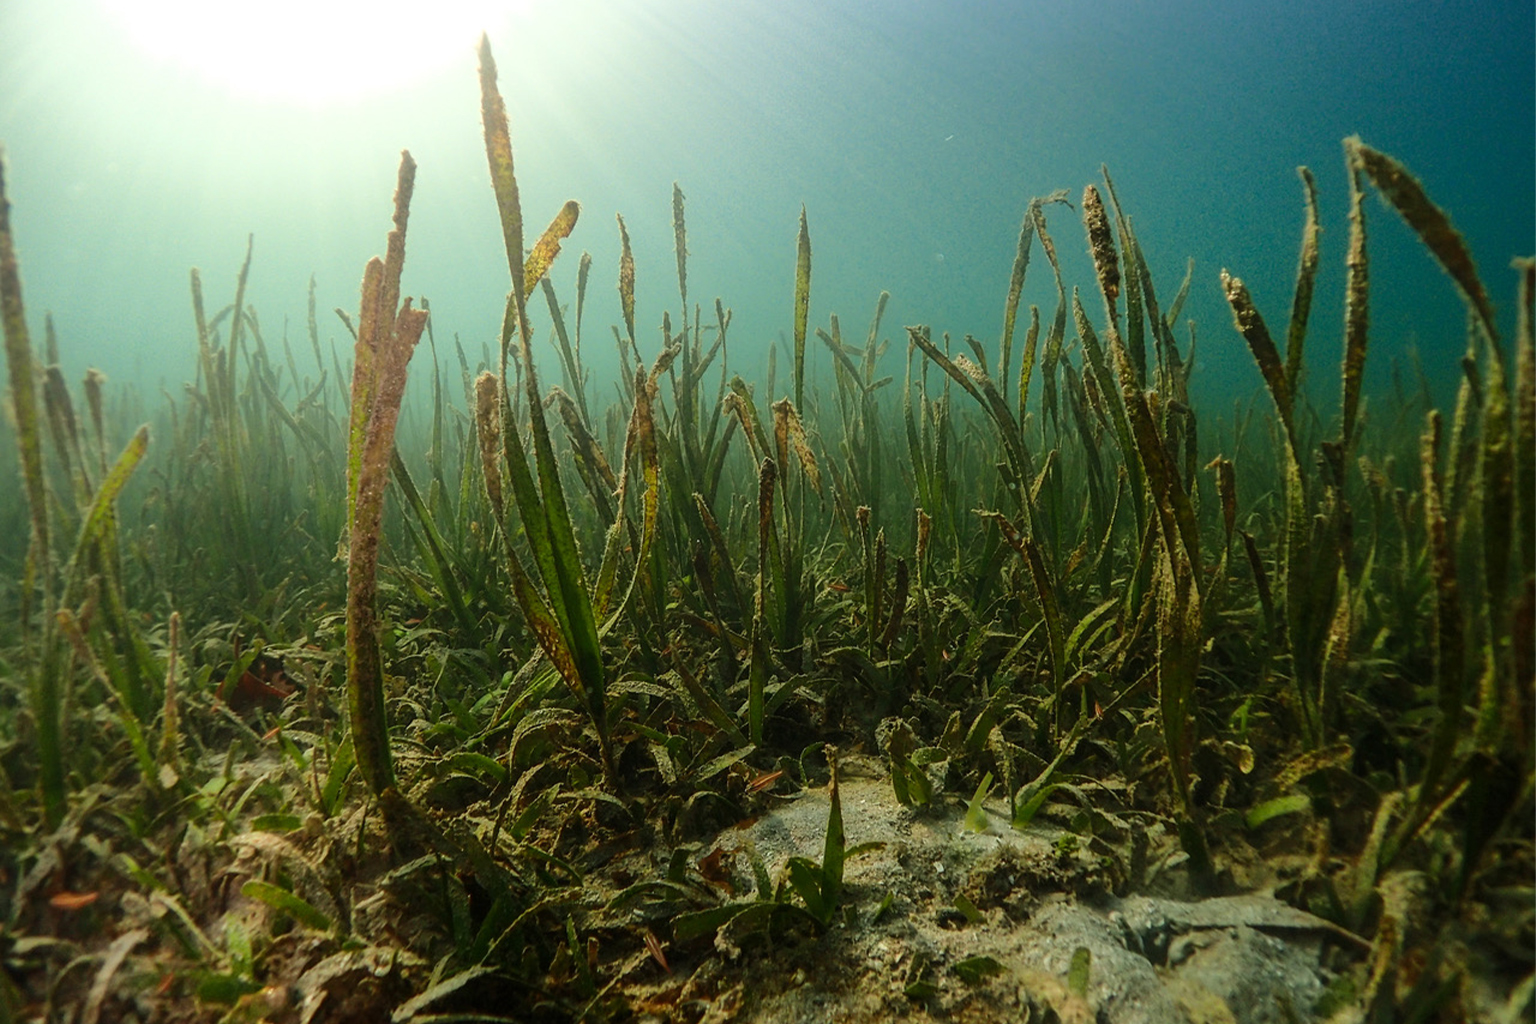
(528,678)
(913,133)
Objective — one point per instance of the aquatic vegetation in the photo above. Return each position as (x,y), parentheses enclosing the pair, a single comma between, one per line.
(1289,653)
(386,338)
(565,616)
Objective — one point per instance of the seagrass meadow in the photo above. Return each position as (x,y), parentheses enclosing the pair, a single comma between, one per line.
(314,711)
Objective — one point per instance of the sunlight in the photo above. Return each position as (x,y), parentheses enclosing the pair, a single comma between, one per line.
(309,52)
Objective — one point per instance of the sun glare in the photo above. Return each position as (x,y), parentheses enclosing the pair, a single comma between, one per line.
(310,52)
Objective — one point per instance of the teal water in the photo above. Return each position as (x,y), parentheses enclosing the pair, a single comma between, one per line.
(914,134)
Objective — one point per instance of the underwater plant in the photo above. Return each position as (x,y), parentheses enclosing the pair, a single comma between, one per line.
(564,617)
(386,338)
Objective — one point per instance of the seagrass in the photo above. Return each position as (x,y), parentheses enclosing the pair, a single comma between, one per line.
(614,628)
(802,304)
(388,331)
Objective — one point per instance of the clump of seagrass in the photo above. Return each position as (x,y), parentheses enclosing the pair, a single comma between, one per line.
(565,616)
(1479,647)
(18,353)
(87,580)
(386,338)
